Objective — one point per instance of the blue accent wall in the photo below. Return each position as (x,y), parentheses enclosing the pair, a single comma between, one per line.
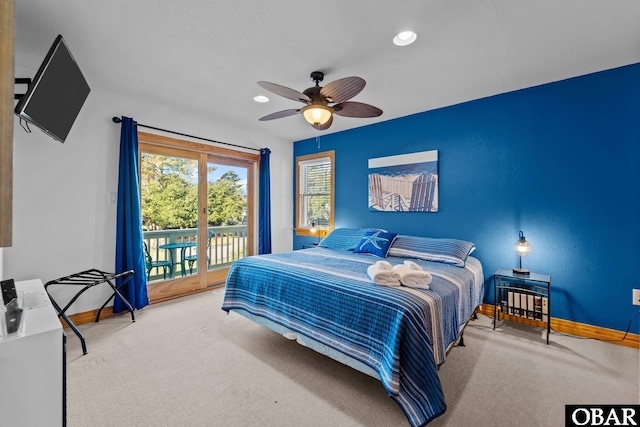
(560,161)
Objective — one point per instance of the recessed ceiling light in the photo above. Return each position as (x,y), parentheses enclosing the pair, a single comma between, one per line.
(405,38)
(261,98)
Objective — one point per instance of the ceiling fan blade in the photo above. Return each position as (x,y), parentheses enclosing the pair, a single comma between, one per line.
(279,114)
(285,92)
(356,109)
(324,126)
(343,89)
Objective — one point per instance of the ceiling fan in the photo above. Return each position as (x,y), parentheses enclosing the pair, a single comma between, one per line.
(318,111)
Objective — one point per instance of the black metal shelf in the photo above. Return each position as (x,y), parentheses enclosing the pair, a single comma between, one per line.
(522,296)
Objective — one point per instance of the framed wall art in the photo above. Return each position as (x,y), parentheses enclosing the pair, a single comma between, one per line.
(404,183)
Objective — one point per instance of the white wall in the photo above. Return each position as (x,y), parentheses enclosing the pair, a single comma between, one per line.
(63,222)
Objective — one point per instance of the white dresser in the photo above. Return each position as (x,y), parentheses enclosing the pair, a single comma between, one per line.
(32,382)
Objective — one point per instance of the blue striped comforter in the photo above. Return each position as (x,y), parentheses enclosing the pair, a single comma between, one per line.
(401,333)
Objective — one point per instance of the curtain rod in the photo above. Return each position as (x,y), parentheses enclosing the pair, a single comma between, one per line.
(118,120)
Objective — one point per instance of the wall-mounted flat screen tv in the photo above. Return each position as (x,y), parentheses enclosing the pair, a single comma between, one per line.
(56,94)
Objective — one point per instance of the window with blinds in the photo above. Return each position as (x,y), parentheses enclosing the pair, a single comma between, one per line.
(315,186)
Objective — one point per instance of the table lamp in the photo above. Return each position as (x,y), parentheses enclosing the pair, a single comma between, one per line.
(314,230)
(523,248)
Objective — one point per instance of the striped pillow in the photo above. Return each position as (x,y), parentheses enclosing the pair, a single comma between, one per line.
(345,239)
(448,251)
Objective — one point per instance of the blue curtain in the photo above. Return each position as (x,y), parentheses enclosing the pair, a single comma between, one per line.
(129,250)
(264,204)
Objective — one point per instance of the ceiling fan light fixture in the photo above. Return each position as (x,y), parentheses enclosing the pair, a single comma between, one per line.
(405,38)
(260,98)
(317,99)
(317,114)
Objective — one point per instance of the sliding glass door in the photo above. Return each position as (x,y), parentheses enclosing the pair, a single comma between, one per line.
(197,213)
(227,212)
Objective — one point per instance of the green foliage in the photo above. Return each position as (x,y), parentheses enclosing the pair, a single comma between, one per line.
(170,197)
(226,203)
(319,210)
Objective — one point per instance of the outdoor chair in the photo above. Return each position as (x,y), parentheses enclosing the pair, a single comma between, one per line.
(151,264)
(191,259)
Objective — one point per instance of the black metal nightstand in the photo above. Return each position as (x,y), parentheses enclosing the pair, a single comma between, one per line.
(522,298)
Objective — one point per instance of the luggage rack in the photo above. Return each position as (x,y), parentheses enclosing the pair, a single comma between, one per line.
(88,279)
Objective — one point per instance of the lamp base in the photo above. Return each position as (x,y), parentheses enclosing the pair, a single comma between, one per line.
(521,271)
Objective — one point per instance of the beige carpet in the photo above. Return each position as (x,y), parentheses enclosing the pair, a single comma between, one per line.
(187,363)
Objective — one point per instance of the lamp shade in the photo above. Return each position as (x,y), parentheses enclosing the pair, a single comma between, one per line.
(317,114)
(523,248)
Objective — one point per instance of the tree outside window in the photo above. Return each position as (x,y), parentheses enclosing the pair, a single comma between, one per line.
(169,193)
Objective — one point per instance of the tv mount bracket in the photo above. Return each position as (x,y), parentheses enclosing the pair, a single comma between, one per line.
(21,81)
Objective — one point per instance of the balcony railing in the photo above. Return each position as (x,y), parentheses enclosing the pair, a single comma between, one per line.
(226,244)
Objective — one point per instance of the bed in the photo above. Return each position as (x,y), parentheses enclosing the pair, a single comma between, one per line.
(325,299)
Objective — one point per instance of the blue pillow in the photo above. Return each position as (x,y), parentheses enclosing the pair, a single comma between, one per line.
(345,239)
(448,251)
(375,243)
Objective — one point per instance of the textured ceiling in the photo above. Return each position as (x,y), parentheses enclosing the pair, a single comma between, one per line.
(204,57)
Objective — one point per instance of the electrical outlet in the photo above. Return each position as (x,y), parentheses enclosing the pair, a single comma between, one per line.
(636,297)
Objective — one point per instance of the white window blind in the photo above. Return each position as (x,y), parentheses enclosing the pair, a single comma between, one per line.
(315,192)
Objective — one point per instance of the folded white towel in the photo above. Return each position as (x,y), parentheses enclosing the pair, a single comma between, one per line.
(384,265)
(413,278)
(412,265)
(383,277)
